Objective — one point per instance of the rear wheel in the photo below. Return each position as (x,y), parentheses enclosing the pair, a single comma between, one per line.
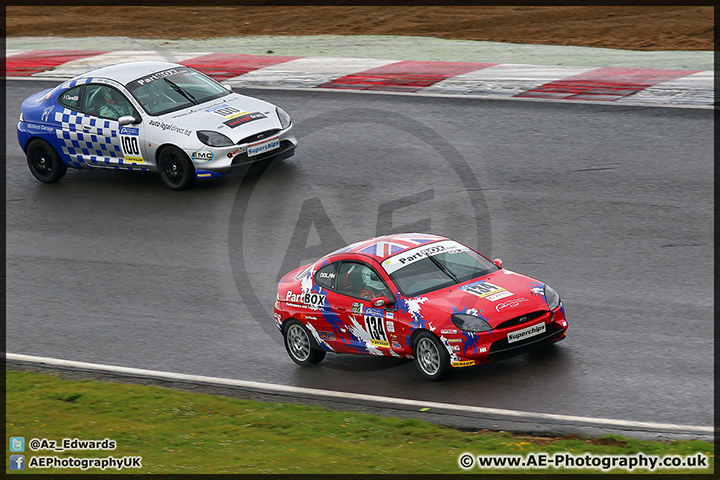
(44,162)
(176,169)
(299,344)
(431,357)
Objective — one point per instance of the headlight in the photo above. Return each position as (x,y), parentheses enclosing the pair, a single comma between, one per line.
(551,297)
(214,139)
(470,323)
(283,117)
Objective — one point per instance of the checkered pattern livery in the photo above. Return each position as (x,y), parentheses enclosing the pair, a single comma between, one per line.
(99,147)
(79,81)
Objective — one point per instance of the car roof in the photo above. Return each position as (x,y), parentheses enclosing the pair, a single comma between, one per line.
(129,71)
(386,246)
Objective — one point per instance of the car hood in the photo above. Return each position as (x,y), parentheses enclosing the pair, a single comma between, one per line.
(497,297)
(235,116)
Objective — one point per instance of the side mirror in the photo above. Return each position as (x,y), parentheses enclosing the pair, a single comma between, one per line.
(380,302)
(498,262)
(128,120)
(227,87)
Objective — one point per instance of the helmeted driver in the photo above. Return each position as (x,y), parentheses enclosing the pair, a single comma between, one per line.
(114,107)
(373,286)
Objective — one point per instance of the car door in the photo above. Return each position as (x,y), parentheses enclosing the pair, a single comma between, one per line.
(110,144)
(327,326)
(72,138)
(368,329)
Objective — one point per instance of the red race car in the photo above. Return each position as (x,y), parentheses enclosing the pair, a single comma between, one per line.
(415,296)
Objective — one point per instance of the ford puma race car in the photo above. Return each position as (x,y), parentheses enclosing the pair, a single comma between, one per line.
(150,116)
(415,296)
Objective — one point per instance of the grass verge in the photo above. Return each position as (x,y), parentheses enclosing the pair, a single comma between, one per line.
(182,432)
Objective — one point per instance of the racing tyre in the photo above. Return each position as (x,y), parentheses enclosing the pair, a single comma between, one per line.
(176,169)
(44,162)
(431,357)
(300,345)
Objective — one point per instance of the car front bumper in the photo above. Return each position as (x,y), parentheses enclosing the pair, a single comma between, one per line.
(212,162)
(495,345)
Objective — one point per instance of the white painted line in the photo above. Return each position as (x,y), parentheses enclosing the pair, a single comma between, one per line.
(359,396)
(10,52)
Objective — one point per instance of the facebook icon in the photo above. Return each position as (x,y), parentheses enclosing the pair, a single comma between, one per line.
(17,462)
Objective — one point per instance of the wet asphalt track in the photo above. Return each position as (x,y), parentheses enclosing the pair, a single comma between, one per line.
(611,205)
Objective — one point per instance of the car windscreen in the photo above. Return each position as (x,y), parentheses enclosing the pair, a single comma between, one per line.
(442,264)
(174,89)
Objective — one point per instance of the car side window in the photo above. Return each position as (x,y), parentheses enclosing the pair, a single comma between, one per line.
(71,98)
(106,102)
(325,277)
(359,280)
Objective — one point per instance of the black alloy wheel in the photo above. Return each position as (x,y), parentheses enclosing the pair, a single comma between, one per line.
(176,169)
(44,162)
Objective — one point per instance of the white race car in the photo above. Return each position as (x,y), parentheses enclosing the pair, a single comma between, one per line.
(150,116)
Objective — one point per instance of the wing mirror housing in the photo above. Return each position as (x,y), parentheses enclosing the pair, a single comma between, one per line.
(498,262)
(128,120)
(380,302)
(227,87)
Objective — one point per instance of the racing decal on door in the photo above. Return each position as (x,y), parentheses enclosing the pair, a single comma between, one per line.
(375,326)
(310,300)
(130,143)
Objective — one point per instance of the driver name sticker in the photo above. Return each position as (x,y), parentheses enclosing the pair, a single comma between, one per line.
(413,255)
(131,145)
(375,326)
(485,289)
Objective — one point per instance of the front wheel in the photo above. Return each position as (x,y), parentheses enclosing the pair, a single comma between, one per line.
(299,345)
(431,357)
(44,162)
(176,169)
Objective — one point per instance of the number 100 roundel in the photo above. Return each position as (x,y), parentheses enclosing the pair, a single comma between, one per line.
(150,116)
(415,296)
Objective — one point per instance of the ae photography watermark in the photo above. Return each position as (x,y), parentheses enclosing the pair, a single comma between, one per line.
(21,457)
(389,174)
(584,461)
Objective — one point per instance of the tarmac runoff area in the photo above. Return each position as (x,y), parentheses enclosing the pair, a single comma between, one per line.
(418,65)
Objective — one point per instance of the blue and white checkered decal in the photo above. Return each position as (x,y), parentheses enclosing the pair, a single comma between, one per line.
(101,148)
